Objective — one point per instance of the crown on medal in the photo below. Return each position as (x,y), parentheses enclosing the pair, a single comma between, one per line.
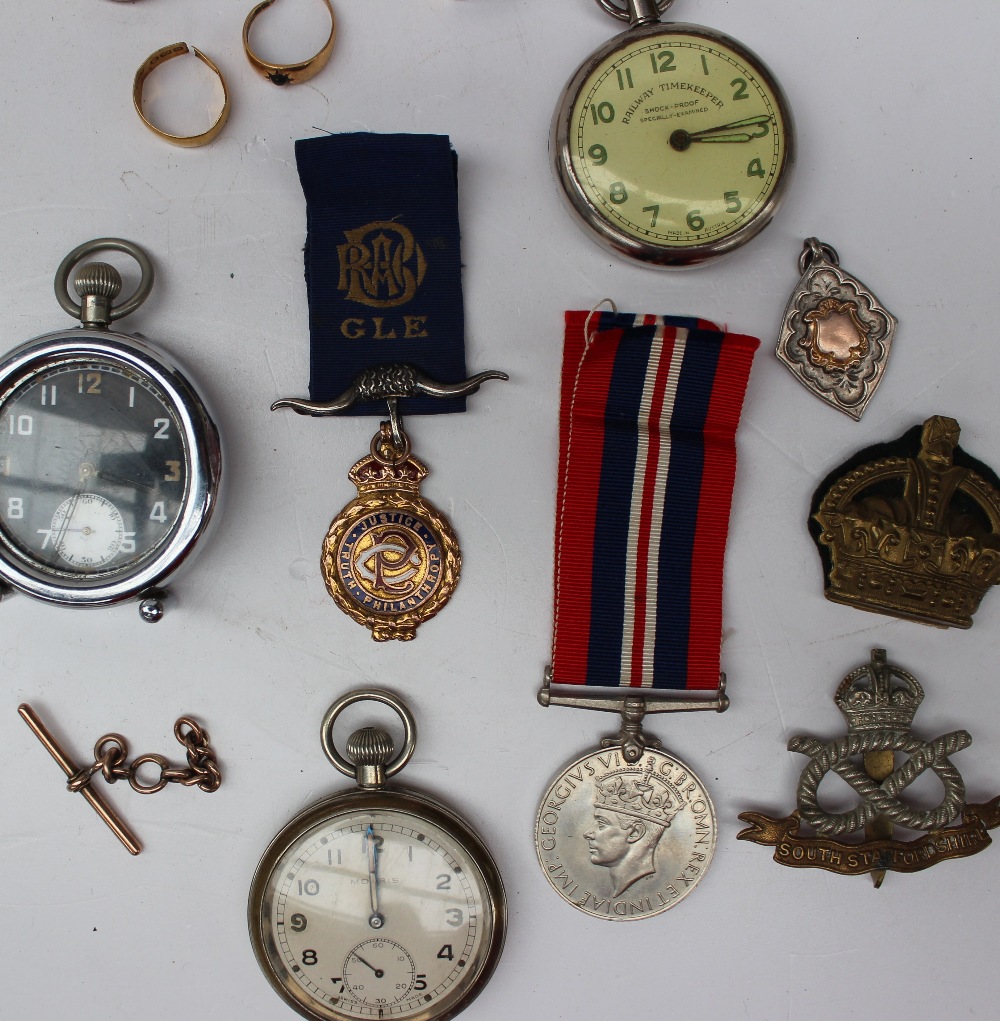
(640,795)
(870,701)
(373,473)
(916,537)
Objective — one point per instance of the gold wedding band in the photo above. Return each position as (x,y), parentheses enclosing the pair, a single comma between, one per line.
(288,74)
(150,64)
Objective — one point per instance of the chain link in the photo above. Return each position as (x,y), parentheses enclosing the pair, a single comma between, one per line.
(111,760)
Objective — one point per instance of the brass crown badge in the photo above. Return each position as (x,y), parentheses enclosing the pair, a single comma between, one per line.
(911,528)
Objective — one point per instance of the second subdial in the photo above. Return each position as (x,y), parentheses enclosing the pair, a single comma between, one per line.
(87,530)
(379,971)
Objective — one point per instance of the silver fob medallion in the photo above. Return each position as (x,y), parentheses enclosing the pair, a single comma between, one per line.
(835,333)
(624,841)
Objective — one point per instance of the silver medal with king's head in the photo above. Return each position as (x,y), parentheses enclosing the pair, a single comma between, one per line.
(622,840)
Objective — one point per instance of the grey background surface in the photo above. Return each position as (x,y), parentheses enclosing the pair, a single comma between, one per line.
(896,113)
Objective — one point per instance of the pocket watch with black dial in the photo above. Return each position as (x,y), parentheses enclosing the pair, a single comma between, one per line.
(109,460)
(672,143)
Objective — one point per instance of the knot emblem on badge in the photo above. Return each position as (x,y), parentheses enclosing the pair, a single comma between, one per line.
(879,701)
(879,713)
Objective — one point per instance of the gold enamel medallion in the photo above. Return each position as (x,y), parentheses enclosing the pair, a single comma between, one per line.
(390,559)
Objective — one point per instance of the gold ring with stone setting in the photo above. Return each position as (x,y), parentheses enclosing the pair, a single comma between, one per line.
(288,74)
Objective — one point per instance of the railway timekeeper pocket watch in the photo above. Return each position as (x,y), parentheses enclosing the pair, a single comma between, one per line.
(109,460)
(376,902)
(672,143)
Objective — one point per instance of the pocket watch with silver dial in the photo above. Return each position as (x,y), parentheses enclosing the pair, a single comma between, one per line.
(672,143)
(376,902)
(109,460)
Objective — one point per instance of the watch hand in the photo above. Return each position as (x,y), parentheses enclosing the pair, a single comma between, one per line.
(376,920)
(89,471)
(681,139)
(378,971)
(64,528)
(122,481)
(760,121)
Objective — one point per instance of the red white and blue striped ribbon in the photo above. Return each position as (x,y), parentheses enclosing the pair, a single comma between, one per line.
(648,417)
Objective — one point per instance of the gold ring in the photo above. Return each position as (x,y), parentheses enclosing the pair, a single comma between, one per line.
(151,63)
(288,74)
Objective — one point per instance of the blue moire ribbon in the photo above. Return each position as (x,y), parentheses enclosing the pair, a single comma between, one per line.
(383,262)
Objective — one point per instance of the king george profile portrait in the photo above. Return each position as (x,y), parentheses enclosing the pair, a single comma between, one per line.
(632,812)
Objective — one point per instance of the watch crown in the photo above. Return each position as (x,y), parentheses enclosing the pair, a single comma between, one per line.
(369,747)
(98,278)
(98,284)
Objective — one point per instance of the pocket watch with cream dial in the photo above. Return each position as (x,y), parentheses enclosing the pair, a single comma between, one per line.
(376,902)
(109,460)
(672,143)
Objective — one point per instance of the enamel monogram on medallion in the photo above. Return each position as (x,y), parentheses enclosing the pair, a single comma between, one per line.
(835,334)
(392,557)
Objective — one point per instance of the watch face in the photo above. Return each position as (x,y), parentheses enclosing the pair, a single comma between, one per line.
(109,468)
(673,144)
(93,468)
(381,909)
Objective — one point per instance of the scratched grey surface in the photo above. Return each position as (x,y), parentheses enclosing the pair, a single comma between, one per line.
(897,169)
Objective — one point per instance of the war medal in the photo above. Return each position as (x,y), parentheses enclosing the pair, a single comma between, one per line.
(627,830)
(835,334)
(650,405)
(390,558)
(386,323)
(911,528)
(879,701)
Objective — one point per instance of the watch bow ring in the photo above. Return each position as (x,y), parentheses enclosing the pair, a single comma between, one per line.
(351,767)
